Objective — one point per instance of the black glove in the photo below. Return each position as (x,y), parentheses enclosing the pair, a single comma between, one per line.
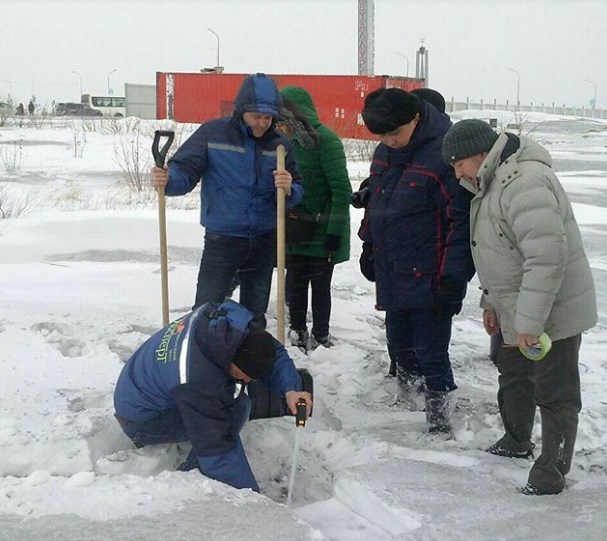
(366,262)
(332,243)
(448,297)
(360,198)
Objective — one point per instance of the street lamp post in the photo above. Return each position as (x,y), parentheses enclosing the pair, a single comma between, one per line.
(217,36)
(80,79)
(109,89)
(594,95)
(400,54)
(518,88)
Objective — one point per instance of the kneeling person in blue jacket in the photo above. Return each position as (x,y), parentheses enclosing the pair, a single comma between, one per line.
(188,382)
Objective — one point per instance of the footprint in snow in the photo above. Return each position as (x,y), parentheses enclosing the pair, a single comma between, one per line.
(59,336)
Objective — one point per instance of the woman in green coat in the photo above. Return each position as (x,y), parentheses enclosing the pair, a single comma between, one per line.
(322,162)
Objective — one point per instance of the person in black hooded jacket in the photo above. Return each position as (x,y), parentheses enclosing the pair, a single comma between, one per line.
(415,235)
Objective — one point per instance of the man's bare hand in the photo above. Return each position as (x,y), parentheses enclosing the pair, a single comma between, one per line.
(293,397)
(527,340)
(283,179)
(159,176)
(491,322)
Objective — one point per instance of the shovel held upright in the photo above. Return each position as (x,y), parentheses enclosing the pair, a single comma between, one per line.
(160,154)
(280,249)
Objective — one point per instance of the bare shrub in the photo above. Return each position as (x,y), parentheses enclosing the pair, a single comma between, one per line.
(11,155)
(129,125)
(12,208)
(359,149)
(182,132)
(133,159)
(518,126)
(79,137)
(91,125)
(111,125)
(133,153)
(6,112)
(36,121)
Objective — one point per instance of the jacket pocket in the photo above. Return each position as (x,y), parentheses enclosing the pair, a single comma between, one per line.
(413,283)
(411,192)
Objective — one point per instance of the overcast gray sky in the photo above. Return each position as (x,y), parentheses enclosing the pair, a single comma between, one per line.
(555,45)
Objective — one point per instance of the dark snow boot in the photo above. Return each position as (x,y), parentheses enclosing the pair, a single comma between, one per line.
(408,389)
(438,414)
(300,338)
(499,450)
(325,341)
(410,382)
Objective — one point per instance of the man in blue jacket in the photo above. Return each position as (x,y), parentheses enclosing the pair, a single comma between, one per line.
(236,159)
(188,382)
(415,235)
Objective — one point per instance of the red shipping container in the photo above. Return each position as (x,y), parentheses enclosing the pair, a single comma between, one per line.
(339,99)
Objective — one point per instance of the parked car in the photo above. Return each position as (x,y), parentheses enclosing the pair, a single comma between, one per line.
(75,109)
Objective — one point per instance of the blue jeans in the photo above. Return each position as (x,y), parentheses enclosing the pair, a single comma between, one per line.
(253,259)
(418,343)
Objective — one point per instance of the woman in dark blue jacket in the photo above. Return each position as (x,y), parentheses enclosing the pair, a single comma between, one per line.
(234,158)
(187,382)
(415,235)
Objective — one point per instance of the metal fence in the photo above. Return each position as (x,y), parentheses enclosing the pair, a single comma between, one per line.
(552,108)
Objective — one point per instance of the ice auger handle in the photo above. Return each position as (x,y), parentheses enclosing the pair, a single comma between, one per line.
(302,414)
(160,154)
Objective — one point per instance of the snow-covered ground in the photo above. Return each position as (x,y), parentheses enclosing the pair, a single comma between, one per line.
(80,290)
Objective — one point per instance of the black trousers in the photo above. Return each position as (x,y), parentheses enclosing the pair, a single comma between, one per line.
(304,272)
(553,384)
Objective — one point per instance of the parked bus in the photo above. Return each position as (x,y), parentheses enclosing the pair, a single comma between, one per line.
(108,105)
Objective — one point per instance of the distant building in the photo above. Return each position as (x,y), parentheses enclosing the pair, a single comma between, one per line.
(140,100)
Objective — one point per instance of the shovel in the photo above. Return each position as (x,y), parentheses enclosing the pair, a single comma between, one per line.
(280,249)
(160,154)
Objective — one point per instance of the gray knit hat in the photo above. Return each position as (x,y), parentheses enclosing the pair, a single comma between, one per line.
(467,138)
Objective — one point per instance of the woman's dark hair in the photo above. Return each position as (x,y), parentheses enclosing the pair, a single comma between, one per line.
(292,116)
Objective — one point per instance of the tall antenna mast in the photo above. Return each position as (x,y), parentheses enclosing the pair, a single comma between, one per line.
(365,38)
(421,63)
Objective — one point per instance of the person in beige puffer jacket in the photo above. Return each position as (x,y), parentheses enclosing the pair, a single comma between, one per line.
(535,278)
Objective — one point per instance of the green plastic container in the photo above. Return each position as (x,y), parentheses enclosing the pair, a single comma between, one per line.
(538,351)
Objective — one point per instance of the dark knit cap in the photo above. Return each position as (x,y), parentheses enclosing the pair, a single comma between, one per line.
(467,138)
(387,109)
(256,355)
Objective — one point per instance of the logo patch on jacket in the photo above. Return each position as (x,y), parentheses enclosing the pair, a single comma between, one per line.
(167,351)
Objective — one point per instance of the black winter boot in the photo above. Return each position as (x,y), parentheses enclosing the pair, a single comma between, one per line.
(410,382)
(438,414)
(300,338)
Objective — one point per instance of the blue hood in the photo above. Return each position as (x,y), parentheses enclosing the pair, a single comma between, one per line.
(258,94)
